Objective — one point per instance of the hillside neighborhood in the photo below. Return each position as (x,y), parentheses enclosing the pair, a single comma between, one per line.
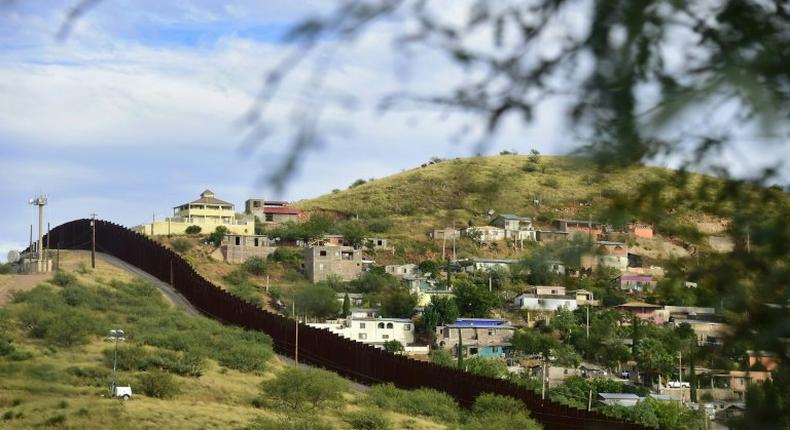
(544,302)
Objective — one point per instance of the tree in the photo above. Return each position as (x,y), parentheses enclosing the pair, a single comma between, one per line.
(300,389)
(256,266)
(491,367)
(354,233)
(442,357)
(399,303)
(565,322)
(653,357)
(473,301)
(219,233)
(394,346)
(193,229)
(533,342)
(317,301)
(429,266)
(346,305)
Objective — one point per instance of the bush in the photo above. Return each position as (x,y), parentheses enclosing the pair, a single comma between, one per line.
(92,376)
(181,245)
(367,419)
(530,167)
(158,384)
(288,423)
(292,256)
(135,358)
(357,183)
(5,269)
(425,402)
(499,412)
(219,233)
(61,279)
(393,346)
(550,182)
(442,358)
(491,367)
(256,266)
(379,225)
(193,229)
(299,389)
(55,421)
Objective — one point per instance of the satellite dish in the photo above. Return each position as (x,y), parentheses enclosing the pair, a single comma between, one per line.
(13,256)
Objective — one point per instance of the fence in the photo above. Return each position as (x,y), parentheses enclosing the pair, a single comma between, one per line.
(354,360)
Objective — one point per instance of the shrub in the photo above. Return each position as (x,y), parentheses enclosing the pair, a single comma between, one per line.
(379,225)
(256,266)
(550,182)
(442,358)
(530,167)
(5,347)
(482,366)
(193,229)
(158,384)
(425,402)
(219,233)
(92,376)
(293,256)
(8,415)
(298,389)
(367,419)
(393,346)
(181,245)
(5,269)
(55,421)
(61,278)
(500,412)
(288,423)
(357,183)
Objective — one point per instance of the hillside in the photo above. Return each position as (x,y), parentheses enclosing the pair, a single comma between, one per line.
(55,364)
(455,192)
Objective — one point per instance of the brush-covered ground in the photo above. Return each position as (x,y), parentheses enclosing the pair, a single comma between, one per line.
(188,372)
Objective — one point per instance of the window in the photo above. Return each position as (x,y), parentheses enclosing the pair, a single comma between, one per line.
(363,336)
(256,241)
(472,351)
(238,240)
(321,266)
(389,325)
(495,349)
(407,327)
(361,325)
(269,217)
(381,325)
(381,242)
(491,332)
(386,336)
(322,253)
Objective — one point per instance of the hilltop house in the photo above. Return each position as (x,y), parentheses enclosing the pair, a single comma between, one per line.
(486,234)
(635,283)
(708,331)
(445,234)
(606,254)
(483,337)
(488,264)
(271,211)
(342,262)
(588,228)
(545,298)
(516,227)
(400,270)
(646,311)
(237,248)
(207,212)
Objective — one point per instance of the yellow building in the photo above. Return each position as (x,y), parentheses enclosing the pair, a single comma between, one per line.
(207,212)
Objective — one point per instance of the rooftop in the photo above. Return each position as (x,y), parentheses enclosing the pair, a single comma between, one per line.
(280,210)
(478,322)
(576,221)
(206,198)
(619,396)
(514,217)
(639,305)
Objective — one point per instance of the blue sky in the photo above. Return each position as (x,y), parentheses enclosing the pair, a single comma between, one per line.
(138,110)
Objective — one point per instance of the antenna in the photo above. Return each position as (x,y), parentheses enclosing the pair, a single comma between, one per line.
(40,201)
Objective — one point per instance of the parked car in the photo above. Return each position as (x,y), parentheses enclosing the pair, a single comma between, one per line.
(122,392)
(678,384)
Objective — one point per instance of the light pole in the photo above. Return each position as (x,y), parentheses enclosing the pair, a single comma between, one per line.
(116,335)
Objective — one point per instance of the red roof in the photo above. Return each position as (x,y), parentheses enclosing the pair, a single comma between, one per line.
(279,210)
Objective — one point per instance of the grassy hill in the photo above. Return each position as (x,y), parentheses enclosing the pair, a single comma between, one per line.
(462,190)
(55,365)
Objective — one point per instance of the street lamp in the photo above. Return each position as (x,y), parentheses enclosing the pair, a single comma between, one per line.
(116,335)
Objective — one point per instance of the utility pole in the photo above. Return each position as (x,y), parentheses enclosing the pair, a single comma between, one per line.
(267,284)
(455,258)
(588,322)
(296,332)
(444,242)
(93,240)
(489,284)
(543,381)
(589,401)
(680,375)
(460,350)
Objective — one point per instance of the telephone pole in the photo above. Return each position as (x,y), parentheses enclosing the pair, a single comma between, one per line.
(296,332)
(588,322)
(93,240)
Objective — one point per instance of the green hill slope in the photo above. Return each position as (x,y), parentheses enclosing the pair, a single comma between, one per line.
(462,190)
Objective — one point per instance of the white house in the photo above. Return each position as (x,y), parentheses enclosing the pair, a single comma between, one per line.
(489,264)
(535,302)
(401,270)
(486,233)
(372,331)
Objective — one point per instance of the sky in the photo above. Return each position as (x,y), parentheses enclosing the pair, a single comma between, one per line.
(140,109)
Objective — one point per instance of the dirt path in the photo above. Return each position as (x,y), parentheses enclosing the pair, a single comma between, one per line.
(12,283)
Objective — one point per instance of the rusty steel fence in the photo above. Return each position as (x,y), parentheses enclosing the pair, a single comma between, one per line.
(354,360)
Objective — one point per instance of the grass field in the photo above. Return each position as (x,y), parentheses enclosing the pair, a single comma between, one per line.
(55,378)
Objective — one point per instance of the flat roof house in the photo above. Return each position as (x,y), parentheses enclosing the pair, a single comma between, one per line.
(480,336)
(237,248)
(321,262)
(271,211)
